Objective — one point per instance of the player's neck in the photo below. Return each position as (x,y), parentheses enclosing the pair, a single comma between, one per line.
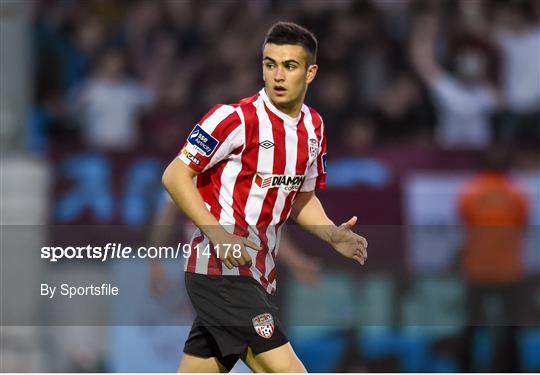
(292,111)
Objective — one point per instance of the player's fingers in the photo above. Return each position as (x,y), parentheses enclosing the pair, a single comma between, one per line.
(364,241)
(362,245)
(349,224)
(240,259)
(245,256)
(251,244)
(361,249)
(233,260)
(227,264)
(358,259)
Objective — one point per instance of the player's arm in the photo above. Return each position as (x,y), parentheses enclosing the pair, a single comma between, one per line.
(422,48)
(308,211)
(178,181)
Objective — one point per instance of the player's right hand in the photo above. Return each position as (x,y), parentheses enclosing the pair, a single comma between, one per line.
(233,242)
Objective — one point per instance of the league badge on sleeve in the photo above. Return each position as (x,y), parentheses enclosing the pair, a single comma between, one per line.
(264,325)
(202,141)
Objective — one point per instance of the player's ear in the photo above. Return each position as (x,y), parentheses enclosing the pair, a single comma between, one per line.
(311,73)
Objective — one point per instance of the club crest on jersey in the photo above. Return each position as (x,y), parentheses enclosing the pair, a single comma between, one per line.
(287,183)
(313,148)
(264,325)
(202,141)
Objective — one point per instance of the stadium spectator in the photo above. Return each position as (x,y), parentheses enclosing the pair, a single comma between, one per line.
(108,104)
(465,99)
(401,110)
(519,38)
(358,135)
(494,211)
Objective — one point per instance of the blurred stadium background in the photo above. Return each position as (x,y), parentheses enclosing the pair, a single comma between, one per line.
(97,96)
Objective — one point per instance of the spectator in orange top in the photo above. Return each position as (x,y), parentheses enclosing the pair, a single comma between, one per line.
(494,211)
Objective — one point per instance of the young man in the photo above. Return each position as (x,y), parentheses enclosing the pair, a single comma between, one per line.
(255,163)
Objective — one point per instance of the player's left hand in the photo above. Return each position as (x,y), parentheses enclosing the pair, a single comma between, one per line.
(348,243)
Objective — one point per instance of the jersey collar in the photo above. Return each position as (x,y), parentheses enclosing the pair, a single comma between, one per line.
(277,112)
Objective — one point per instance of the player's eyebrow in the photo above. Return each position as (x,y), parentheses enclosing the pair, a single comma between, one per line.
(284,62)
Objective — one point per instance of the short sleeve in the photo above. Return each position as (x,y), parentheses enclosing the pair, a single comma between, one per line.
(316,174)
(213,139)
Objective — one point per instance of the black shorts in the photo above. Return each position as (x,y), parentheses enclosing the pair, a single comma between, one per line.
(233,312)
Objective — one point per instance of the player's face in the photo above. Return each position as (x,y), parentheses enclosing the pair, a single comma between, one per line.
(286,75)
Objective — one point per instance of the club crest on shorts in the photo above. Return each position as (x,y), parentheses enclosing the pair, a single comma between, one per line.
(264,325)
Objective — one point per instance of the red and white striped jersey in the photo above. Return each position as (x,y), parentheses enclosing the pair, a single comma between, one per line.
(253,159)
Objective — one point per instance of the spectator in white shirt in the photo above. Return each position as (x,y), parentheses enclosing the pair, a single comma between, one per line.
(108,104)
(465,101)
(518,36)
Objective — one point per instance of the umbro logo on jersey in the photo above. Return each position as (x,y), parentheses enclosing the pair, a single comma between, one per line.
(266,144)
(202,141)
(264,325)
(287,183)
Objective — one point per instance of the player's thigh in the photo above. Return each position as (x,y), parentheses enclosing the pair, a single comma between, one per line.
(281,359)
(191,363)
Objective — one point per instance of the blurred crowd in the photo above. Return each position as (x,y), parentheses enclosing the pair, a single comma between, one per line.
(137,75)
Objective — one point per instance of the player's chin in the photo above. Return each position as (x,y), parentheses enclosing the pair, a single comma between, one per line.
(282,99)
(278,98)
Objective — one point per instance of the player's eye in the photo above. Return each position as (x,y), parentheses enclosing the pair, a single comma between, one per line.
(290,67)
(269,66)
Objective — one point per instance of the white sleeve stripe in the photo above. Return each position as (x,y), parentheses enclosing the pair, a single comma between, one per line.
(234,140)
(313,169)
(220,114)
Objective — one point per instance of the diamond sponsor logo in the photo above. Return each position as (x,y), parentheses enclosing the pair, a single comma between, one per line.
(264,325)
(287,183)
(202,141)
(263,182)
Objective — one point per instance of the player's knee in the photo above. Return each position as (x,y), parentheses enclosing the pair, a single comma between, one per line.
(193,364)
(286,366)
(292,366)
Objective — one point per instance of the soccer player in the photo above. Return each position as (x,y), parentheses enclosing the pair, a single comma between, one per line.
(244,169)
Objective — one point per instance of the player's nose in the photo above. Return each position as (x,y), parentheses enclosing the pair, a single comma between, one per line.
(280,76)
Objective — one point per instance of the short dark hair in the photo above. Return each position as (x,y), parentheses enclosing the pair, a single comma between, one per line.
(291,33)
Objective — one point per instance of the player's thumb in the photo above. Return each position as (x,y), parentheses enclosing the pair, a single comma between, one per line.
(252,244)
(349,224)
